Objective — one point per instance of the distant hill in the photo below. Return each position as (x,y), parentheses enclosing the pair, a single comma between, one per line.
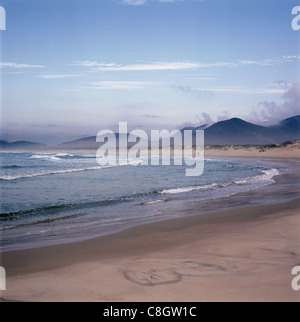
(21,146)
(239,132)
(230,132)
(236,132)
(88,143)
(287,130)
(84,143)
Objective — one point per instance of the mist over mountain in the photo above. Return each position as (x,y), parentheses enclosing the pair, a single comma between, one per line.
(234,131)
(239,132)
(200,127)
(22,146)
(87,143)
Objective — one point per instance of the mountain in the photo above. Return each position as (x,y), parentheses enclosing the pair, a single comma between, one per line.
(239,132)
(287,130)
(84,143)
(230,132)
(88,143)
(201,127)
(236,132)
(22,146)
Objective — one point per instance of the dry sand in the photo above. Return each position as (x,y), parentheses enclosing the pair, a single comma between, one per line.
(281,151)
(245,254)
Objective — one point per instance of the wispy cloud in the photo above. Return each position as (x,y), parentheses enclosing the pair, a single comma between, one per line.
(234,90)
(143,2)
(59,76)
(18,66)
(183,65)
(88,63)
(268,61)
(134,2)
(155,66)
(240,90)
(199,119)
(243,62)
(119,85)
(151,116)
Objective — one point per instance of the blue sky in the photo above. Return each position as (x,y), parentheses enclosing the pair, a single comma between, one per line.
(70,68)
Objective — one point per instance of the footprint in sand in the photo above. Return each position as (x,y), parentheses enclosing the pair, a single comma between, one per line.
(170,275)
(153,277)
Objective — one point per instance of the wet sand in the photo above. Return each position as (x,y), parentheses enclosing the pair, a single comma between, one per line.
(244,254)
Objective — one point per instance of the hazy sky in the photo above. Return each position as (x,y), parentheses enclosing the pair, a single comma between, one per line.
(71,68)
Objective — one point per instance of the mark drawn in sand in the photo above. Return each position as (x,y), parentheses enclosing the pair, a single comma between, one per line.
(153,277)
(171,275)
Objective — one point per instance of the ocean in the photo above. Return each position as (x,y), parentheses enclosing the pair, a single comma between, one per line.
(53,198)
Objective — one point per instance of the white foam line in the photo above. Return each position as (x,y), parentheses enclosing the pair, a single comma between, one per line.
(46,157)
(266,178)
(46,173)
(154,202)
(189,189)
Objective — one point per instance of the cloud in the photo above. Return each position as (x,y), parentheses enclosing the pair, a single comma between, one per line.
(281,84)
(155,66)
(263,62)
(269,61)
(183,65)
(151,116)
(199,119)
(16,65)
(270,111)
(232,90)
(205,119)
(59,76)
(144,2)
(119,85)
(239,90)
(224,116)
(88,63)
(134,2)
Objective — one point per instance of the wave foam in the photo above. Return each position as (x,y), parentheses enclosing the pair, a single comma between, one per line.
(64,155)
(265,178)
(45,157)
(154,202)
(189,189)
(45,173)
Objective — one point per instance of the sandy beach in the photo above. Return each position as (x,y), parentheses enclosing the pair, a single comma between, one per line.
(242,254)
(279,151)
(149,152)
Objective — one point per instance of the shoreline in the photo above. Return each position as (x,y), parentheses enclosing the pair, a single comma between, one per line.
(181,259)
(20,262)
(154,262)
(285,150)
(187,209)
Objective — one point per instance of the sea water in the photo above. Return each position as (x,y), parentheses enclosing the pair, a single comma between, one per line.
(52,198)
